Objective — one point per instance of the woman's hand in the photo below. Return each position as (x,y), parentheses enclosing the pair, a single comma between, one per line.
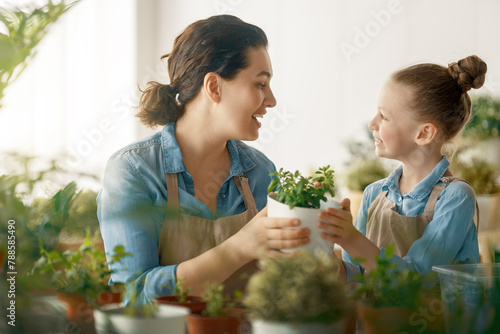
(338,227)
(265,236)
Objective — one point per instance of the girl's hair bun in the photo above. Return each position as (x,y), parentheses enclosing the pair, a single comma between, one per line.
(469,72)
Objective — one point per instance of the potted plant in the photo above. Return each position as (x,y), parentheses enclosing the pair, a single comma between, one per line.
(139,318)
(219,316)
(80,279)
(484,126)
(303,197)
(181,297)
(298,294)
(392,300)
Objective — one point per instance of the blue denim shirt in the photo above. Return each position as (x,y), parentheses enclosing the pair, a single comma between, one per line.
(450,237)
(132,203)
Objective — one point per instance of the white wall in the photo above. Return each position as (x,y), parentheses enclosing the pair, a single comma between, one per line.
(324,97)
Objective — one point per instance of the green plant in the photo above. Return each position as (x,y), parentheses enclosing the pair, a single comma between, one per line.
(303,288)
(482,175)
(294,189)
(134,308)
(485,120)
(364,172)
(386,286)
(81,272)
(216,304)
(181,292)
(24,31)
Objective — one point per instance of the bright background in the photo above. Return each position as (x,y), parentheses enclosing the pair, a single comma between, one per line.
(330,59)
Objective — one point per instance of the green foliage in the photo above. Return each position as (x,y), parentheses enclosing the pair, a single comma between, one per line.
(482,175)
(24,32)
(362,173)
(83,271)
(181,292)
(303,288)
(134,308)
(390,287)
(214,296)
(294,189)
(485,120)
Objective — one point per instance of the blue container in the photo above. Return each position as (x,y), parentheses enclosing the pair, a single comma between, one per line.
(471,297)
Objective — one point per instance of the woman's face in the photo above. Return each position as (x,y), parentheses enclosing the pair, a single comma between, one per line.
(244,98)
(393,126)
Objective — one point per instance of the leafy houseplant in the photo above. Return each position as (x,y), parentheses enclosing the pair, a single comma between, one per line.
(294,189)
(24,31)
(392,298)
(362,173)
(139,318)
(302,198)
(485,120)
(298,294)
(181,297)
(219,316)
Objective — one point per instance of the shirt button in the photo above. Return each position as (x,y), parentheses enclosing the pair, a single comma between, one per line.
(399,200)
(222,196)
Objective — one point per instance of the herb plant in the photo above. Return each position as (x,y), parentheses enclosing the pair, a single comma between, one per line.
(181,292)
(81,272)
(214,295)
(303,288)
(386,286)
(294,189)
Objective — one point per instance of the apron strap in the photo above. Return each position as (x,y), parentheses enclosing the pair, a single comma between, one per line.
(172,190)
(438,189)
(244,188)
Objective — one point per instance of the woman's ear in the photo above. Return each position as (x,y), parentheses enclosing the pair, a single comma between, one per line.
(212,86)
(426,134)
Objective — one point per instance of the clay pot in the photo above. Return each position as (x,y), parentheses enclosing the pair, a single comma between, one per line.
(384,320)
(195,304)
(78,312)
(203,324)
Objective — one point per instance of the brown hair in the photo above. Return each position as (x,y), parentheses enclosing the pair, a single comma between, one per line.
(218,44)
(440,93)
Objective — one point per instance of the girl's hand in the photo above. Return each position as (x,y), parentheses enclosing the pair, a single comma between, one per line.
(339,228)
(265,236)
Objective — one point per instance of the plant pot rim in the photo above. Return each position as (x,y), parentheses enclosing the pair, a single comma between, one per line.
(162,313)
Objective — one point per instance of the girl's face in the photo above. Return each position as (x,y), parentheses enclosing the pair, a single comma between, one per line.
(393,127)
(244,99)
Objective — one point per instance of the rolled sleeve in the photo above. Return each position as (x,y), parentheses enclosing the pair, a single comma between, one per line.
(129,215)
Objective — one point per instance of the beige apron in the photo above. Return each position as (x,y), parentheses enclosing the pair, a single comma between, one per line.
(184,237)
(386,226)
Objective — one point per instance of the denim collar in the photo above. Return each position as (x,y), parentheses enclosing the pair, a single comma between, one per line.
(174,162)
(423,189)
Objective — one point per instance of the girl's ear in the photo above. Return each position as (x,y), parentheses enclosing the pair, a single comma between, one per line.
(426,134)
(212,86)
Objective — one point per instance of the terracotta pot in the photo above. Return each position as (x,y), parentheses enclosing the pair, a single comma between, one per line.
(194,303)
(384,320)
(108,297)
(78,312)
(202,324)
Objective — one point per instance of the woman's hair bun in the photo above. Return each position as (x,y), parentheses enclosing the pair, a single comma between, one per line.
(469,72)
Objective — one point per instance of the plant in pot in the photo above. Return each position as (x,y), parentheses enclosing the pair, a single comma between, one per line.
(395,301)
(303,197)
(80,279)
(136,317)
(220,314)
(302,293)
(181,297)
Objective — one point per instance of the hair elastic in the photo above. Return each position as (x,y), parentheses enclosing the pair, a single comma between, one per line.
(177,99)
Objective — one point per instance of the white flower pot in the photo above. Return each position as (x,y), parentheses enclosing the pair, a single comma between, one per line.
(308,218)
(111,320)
(274,327)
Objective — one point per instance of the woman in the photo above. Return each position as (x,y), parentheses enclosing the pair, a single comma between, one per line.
(213,184)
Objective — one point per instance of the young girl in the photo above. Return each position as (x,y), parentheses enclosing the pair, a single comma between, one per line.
(213,184)
(419,208)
